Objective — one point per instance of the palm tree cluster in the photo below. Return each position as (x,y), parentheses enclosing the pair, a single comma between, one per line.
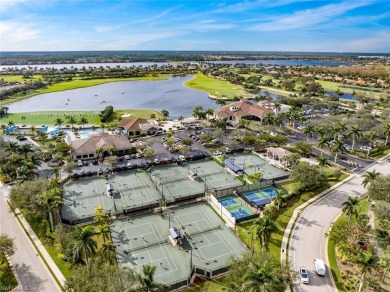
(18,162)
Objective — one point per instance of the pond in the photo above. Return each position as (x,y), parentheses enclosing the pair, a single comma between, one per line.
(170,94)
(281,62)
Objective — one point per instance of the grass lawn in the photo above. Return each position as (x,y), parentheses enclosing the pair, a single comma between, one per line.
(19,78)
(216,87)
(7,278)
(364,205)
(67,85)
(246,234)
(49,117)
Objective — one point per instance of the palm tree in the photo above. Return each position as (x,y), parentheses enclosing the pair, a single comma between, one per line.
(56,172)
(71,121)
(147,279)
(262,277)
(152,116)
(338,129)
(323,161)
(102,126)
(25,149)
(220,101)
(279,198)
(84,242)
(108,251)
(51,199)
(277,107)
(11,147)
(83,121)
(180,119)
(99,152)
(268,119)
(369,177)
(111,149)
(59,122)
(338,146)
(367,262)
(355,132)
(103,231)
(350,207)
(10,123)
(309,131)
(265,226)
(387,133)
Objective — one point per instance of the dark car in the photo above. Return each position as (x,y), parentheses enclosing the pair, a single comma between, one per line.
(85,163)
(22,138)
(100,171)
(88,172)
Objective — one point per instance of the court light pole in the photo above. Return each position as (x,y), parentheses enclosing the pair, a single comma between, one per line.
(191,256)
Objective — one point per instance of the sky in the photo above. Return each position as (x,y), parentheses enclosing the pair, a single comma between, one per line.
(212,25)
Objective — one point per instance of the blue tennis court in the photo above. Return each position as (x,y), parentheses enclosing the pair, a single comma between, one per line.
(252,196)
(227,202)
(270,192)
(239,214)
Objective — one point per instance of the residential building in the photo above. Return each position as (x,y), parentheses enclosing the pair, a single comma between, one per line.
(87,148)
(282,108)
(137,127)
(235,111)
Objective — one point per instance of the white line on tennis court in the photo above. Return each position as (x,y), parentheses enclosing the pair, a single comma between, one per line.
(162,248)
(181,224)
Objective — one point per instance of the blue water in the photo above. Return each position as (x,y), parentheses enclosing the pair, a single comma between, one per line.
(239,214)
(270,192)
(227,202)
(252,196)
(347,96)
(281,62)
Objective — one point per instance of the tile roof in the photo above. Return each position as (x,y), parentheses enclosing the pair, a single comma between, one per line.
(105,141)
(244,108)
(132,124)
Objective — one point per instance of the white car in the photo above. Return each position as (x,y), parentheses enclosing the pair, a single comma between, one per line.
(182,158)
(304,275)
(79,163)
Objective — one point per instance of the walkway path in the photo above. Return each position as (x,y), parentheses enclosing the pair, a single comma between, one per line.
(308,238)
(30,269)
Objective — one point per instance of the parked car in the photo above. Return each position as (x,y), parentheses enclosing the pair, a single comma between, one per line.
(127,157)
(138,155)
(182,158)
(129,165)
(79,163)
(304,275)
(156,161)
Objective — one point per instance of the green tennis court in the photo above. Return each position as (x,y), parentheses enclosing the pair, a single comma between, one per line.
(251,163)
(207,243)
(215,176)
(131,190)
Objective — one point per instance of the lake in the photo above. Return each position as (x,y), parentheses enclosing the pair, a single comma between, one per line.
(170,94)
(282,62)
(145,64)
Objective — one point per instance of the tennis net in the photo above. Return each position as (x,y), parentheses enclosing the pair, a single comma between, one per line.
(148,245)
(192,234)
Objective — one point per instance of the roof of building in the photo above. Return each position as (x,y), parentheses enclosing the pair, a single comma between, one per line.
(104,141)
(244,108)
(279,151)
(132,124)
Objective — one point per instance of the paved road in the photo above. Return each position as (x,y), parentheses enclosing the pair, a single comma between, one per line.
(308,240)
(34,277)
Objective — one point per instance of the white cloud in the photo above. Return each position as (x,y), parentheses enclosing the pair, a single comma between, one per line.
(307,17)
(7,4)
(134,40)
(15,34)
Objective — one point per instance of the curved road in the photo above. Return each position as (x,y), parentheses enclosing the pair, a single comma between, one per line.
(308,238)
(32,274)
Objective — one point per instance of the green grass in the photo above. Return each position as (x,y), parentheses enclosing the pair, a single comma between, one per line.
(19,78)
(68,85)
(49,117)
(364,205)
(36,225)
(7,277)
(216,87)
